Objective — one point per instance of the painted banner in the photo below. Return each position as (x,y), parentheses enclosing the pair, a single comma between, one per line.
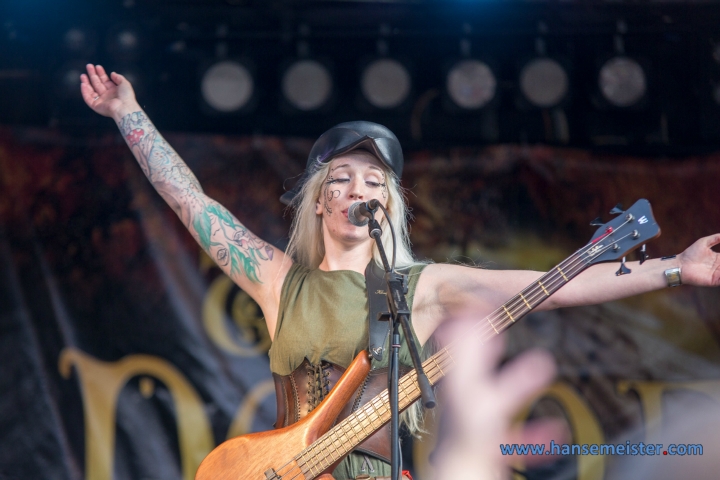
(126,354)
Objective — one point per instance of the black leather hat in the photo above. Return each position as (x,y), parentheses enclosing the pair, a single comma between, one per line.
(345,137)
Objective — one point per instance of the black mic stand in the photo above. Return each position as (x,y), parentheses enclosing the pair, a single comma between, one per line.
(399,314)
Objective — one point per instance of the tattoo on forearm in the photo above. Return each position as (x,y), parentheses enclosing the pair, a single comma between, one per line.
(156,157)
(217,231)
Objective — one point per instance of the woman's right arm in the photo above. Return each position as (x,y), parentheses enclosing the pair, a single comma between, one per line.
(257,267)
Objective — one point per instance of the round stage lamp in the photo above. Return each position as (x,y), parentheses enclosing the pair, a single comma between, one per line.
(385,83)
(622,81)
(227,86)
(471,84)
(307,85)
(124,41)
(544,82)
(78,40)
(69,76)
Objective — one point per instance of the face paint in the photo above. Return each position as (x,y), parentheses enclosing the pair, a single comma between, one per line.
(384,188)
(329,195)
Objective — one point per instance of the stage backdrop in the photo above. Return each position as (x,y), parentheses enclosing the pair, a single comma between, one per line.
(125,354)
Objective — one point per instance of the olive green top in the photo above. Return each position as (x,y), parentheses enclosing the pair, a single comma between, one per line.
(323,316)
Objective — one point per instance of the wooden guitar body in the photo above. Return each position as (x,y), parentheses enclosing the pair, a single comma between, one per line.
(313,446)
(271,455)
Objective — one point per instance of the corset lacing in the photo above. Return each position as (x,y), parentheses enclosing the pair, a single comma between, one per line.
(318,383)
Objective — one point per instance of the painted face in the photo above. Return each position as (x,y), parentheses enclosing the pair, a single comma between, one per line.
(355,177)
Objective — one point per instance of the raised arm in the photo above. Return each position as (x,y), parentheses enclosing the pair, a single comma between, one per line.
(257,267)
(445,290)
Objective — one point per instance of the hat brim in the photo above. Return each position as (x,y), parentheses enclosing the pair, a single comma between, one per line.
(365,143)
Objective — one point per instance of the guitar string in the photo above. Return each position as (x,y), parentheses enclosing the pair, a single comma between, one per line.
(577,263)
(575,258)
(411,378)
(359,421)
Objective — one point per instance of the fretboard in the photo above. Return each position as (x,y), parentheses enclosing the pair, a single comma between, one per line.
(349,433)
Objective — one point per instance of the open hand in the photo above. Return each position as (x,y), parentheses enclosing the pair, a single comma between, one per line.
(482,400)
(105,94)
(700,264)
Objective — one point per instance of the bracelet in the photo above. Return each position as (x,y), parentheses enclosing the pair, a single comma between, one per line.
(673,277)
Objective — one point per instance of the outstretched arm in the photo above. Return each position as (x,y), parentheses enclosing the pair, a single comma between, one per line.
(254,265)
(444,290)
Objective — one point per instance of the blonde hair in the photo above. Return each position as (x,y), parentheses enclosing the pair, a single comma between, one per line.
(307,247)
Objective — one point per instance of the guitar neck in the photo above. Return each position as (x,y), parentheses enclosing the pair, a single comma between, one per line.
(349,433)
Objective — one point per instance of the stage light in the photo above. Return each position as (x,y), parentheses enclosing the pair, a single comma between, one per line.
(307,85)
(75,39)
(124,40)
(127,40)
(471,84)
(544,82)
(227,86)
(622,81)
(70,79)
(385,83)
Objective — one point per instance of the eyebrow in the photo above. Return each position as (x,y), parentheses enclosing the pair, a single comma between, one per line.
(347,165)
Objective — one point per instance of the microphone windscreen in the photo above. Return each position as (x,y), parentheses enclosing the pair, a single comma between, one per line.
(354,217)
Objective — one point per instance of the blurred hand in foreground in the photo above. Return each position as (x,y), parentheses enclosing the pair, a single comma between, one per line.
(481,401)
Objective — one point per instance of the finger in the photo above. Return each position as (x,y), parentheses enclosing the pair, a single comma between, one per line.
(117,78)
(95,80)
(475,360)
(524,377)
(101,73)
(88,92)
(713,240)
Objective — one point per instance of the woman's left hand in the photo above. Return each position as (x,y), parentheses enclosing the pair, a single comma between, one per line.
(700,263)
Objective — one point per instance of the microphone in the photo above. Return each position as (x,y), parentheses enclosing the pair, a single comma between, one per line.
(360,213)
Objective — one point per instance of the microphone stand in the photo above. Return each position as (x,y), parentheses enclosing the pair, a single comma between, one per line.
(399,314)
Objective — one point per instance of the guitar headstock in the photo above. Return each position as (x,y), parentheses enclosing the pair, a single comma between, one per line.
(628,231)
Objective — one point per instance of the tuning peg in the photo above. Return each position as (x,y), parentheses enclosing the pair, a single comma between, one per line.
(643,254)
(623,270)
(617,209)
(597,222)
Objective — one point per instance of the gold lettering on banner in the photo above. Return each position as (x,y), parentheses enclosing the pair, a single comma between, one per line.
(651,393)
(584,425)
(100,385)
(254,337)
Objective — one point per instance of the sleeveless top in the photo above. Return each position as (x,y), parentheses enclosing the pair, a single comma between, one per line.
(323,316)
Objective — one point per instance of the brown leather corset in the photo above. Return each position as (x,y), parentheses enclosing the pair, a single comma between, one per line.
(300,392)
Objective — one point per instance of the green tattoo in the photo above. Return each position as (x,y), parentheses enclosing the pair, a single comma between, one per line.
(217,231)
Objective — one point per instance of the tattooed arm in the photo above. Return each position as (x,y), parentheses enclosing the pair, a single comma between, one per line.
(257,267)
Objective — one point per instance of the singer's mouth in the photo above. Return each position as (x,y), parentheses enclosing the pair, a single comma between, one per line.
(345,212)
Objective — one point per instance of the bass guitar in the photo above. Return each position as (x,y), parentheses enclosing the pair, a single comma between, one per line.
(313,447)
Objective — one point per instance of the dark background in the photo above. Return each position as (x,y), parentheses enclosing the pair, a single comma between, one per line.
(675,42)
(93,260)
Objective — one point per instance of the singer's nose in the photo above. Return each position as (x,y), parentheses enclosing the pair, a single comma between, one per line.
(356,189)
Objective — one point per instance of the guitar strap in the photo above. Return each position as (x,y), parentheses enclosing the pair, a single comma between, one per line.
(378,330)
